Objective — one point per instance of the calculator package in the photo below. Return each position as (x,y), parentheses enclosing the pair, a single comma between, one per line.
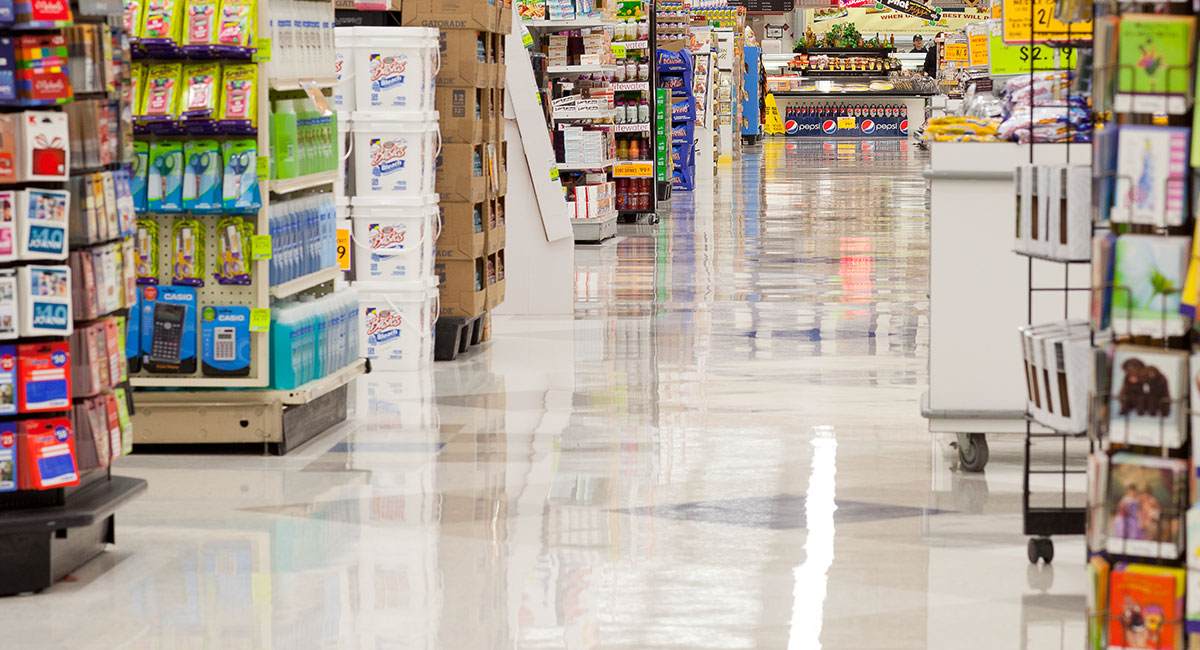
(169,329)
(43,300)
(225,341)
(42,224)
(43,377)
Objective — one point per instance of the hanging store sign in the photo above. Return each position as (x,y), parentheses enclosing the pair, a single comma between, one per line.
(912,8)
(956,52)
(1033,21)
(869,20)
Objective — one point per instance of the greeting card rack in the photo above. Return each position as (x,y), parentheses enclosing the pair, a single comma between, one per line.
(1142,560)
(192,407)
(59,513)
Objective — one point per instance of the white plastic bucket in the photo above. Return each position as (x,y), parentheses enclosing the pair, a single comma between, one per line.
(343,65)
(392,67)
(395,328)
(394,153)
(393,241)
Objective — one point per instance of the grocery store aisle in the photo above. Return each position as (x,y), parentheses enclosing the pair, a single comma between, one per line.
(722,450)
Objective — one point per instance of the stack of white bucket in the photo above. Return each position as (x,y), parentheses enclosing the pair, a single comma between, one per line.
(390,143)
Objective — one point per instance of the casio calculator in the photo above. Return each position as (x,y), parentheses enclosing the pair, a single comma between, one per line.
(224,344)
(166,340)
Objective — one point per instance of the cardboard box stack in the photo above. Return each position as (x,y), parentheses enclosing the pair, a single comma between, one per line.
(472,170)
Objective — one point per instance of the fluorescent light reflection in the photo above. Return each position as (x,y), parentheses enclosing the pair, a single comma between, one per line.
(811,577)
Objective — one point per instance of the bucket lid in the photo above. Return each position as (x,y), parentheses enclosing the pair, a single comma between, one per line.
(371,118)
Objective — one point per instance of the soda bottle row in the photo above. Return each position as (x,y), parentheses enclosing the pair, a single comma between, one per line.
(635,193)
(872,111)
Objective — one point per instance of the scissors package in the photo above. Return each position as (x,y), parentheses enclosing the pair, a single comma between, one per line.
(187,253)
(164,183)
(240,185)
(146,251)
(202,176)
(137,175)
(233,251)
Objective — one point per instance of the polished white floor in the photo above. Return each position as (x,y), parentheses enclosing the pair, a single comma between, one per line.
(723,449)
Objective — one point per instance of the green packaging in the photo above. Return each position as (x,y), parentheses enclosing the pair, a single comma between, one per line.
(146,251)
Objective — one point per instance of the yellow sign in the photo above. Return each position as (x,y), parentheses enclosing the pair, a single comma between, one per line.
(995,11)
(956,52)
(260,247)
(1020,14)
(260,319)
(343,248)
(979,49)
(847,123)
(633,170)
(618,50)
(772,125)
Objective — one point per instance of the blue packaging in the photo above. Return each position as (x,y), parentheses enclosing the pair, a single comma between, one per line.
(184,360)
(8,59)
(133,336)
(164,180)
(225,341)
(202,176)
(138,176)
(239,185)
(8,456)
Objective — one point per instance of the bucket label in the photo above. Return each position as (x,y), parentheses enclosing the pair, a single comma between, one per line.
(386,235)
(387,157)
(387,72)
(383,325)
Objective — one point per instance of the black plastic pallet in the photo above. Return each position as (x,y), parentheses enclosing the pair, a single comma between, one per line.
(455,336)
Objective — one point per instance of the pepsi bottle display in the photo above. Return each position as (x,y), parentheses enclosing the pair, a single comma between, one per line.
(822,120)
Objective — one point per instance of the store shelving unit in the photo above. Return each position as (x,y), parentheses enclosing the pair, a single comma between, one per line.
(48,534)
(173,418)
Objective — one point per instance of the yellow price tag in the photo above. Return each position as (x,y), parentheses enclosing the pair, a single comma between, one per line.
(1021,17)
(263,50)
(553,172)
(260,247)
(956,52)
(618,51)
(633,170)
(847,123)
(262,165)
(978,49)
(260,319)
(343,248)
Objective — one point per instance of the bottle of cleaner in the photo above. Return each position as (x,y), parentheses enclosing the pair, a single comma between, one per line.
(285,139)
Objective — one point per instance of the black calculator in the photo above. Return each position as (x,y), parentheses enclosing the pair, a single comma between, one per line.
(166,339)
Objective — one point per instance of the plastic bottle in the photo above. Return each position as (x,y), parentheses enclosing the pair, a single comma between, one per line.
(643,112)
(622,149)
(633,152)
(285,139)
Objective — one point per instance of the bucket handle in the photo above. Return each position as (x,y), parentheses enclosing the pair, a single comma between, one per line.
(349,149)
(420,242)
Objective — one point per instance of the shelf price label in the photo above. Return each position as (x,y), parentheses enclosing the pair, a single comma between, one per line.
(956,52)
(1020,59)
(618,50)
(262,50)
(343,248)
(1021,17)
(260,247)
(633,170)
(847,123)
(260,319)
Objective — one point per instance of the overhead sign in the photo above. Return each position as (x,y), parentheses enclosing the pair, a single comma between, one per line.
(912,8)
(869,20)
(1033,21)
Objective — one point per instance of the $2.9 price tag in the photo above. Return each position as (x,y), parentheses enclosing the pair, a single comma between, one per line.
(343,248)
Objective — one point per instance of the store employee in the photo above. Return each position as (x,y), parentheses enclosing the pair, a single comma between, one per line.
(918,44)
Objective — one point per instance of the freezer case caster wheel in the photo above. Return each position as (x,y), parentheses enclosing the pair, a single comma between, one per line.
(972,451)
(1040,548)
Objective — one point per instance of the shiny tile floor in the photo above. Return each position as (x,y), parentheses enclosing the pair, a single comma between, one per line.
(723,449)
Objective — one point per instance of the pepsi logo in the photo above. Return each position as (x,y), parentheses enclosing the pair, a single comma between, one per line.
(791,127)
(868,126)
(829,126)
(904,126)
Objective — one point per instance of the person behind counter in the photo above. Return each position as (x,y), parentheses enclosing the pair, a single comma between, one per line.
(918,44)
(931,57)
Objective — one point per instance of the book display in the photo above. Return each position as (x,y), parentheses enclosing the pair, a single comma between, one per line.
(67,292)
(236,162)
(1143,527)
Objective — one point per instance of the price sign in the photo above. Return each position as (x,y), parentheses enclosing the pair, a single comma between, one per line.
(978,46)
(618,50)
(956,52)
(260,247)
(1020,59)
(847,123)
(260,319)
(343,248)
(1033,21)
(633,170)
